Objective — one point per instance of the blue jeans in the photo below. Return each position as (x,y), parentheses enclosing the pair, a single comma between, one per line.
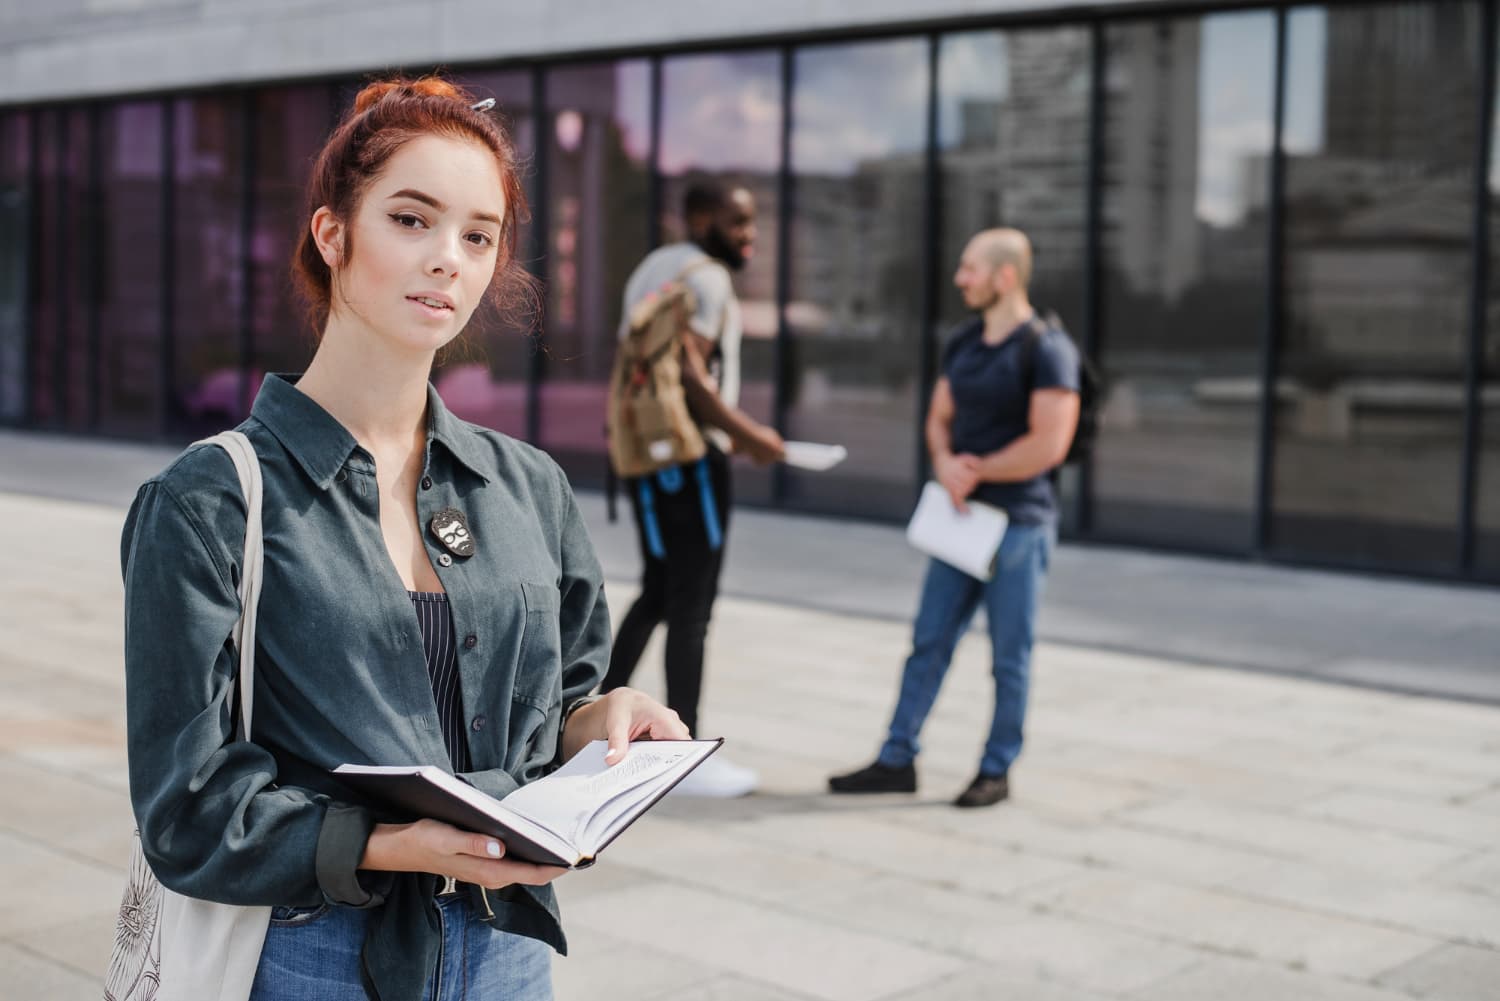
(314,954)
(949,600)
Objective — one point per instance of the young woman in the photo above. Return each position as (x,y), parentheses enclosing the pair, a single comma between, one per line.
(430,597)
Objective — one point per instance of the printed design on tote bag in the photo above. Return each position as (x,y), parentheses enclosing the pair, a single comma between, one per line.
(135,967)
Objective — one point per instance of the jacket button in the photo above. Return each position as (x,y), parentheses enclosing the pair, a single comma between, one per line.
(444,560)
(478,723)
(471,641)
(427,483)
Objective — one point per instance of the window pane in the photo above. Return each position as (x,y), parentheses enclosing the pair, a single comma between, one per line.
(15,246)
(130,286)
(598,141)
(721,120)
(291,124)
(485,378)
(1381,108)
(1013,136)
(1189,111)
(1487,508)
(859,121)
(209,391)
(59,359)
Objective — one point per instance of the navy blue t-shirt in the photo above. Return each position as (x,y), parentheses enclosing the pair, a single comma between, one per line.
(992,400)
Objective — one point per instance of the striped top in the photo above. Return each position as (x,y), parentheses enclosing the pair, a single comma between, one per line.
(440,644)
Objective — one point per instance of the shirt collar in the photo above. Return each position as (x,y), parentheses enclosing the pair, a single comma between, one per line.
(321,445)
(456,436)
(318,442)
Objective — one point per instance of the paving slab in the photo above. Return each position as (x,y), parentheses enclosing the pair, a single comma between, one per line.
(1449,972)
(1234,924)
(1232,979)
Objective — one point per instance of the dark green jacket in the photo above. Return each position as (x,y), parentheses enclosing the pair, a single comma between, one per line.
(340,672)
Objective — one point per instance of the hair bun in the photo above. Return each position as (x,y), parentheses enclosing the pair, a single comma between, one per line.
(427,86)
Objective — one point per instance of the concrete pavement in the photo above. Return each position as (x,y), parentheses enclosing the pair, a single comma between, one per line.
(1179,830)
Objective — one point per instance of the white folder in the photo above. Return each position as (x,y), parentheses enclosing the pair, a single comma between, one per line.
(967,540)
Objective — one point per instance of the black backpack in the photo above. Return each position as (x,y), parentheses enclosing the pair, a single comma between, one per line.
(1090,385)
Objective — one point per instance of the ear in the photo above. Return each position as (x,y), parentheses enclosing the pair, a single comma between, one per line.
(328,234)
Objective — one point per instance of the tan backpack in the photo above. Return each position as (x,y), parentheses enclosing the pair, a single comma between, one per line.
(649,425)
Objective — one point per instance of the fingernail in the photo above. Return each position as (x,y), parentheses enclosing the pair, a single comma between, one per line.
(493,847)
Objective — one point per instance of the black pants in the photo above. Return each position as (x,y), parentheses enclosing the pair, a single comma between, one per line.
(678,586)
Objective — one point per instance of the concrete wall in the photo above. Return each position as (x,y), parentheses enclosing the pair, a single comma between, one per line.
(73,48)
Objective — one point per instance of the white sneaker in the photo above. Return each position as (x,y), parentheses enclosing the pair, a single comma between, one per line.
(718,778)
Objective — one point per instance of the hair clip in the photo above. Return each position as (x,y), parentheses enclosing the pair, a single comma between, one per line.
(485,105)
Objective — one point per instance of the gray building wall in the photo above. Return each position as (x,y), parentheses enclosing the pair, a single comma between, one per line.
(82,48)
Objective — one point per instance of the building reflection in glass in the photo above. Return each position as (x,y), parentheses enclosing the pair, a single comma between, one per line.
(129,237)
(1188,123)
(291,124)
(1487,506)
(208,391)
(15,270)
(59,351)
(1381,107)
(859,121)
(598,131)
(721,120)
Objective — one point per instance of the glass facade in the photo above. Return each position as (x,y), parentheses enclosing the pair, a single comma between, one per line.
(290,125)
(210,386)
(129,234)
(1188,130)
(854,299)
(1381,112)
(1264,224)
(15,269)
(1486,547)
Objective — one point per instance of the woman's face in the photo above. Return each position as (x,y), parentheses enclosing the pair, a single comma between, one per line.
(425,240)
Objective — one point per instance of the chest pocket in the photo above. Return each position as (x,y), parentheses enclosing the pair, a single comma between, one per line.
(536,704)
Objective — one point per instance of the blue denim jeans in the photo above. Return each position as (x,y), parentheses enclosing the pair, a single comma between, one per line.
(949,599)
(314,953)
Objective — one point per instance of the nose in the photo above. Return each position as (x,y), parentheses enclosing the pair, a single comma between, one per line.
(445,258)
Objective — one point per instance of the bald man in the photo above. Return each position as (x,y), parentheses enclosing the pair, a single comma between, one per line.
(1002,417)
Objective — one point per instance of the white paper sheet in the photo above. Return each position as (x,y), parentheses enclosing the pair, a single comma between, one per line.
(967,540)
(814,455)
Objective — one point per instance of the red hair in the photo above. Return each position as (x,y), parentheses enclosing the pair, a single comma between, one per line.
(388,114)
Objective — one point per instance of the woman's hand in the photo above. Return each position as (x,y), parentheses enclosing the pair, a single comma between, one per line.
(443,850)
(620,717)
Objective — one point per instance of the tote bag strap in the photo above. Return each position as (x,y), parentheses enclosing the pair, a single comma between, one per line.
(247,465)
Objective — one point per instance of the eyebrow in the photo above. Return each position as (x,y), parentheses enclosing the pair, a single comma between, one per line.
(426,199)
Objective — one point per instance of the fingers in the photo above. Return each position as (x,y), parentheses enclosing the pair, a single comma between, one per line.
(504,872)
(617,723)
(484,846)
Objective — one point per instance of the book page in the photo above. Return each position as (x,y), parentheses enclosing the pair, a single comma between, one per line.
(570,797)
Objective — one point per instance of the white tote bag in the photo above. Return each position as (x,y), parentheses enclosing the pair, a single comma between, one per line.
(174,948)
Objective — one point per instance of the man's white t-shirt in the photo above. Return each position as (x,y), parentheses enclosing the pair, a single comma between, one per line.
(716,318)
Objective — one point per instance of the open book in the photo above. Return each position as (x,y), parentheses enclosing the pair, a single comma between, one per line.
(564,819)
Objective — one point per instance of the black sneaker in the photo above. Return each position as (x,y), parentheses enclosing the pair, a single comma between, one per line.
(877,778)
(985,790)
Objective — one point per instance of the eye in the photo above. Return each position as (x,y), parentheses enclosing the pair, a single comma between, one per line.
(407,220)
(481,239)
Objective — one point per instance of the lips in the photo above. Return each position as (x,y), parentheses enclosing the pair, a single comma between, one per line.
(431,301)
